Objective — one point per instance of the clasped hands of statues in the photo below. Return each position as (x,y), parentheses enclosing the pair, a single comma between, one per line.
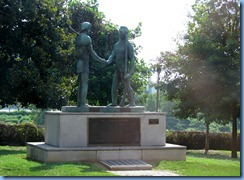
(107,62)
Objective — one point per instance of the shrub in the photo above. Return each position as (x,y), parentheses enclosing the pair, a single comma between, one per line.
(196,140)
(20,134)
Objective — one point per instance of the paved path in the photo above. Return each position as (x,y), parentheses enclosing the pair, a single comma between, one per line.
(144,173)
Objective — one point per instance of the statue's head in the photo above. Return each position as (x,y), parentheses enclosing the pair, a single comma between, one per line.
(85,26)
(123,31)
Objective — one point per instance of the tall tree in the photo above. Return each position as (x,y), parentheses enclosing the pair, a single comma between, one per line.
(207,66)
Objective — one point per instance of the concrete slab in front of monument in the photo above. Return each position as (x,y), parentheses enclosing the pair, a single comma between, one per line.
(101,135)
(46,153)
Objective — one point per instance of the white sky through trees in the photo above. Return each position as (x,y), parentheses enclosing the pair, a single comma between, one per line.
(162,21)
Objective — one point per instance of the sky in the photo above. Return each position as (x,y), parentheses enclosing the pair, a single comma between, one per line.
(162,21)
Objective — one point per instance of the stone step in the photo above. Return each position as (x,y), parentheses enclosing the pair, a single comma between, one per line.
(130,164)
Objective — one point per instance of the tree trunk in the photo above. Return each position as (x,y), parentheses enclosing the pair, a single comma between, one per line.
(207,138)
(234,132)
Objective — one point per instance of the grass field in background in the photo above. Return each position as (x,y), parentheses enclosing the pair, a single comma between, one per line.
(13,162)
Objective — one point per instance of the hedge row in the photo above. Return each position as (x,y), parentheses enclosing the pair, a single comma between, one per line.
(196,140)
(19,134)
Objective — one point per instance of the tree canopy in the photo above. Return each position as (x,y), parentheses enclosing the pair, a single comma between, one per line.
(35,52)
(203,76)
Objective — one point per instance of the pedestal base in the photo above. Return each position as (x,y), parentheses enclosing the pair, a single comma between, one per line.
(70,129)
(45,153)
(104,133)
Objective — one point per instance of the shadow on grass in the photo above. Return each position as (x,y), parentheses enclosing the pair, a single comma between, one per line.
(211,154)
(11,152)
(85,167)
(154,163)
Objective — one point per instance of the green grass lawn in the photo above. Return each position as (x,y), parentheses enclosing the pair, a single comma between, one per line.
(13,162)
(215,163)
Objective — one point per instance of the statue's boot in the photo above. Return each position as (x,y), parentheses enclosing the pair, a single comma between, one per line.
(122,102)
(131,99)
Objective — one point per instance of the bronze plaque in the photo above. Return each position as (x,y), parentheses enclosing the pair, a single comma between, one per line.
(114,131)
(153,121)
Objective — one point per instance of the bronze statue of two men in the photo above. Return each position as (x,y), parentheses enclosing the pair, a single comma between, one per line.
(122,55)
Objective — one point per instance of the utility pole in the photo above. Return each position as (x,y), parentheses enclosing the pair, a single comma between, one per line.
(158,74)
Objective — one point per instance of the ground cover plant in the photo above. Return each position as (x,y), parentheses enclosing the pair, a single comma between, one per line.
(14,118)
(23,116)
(13,162)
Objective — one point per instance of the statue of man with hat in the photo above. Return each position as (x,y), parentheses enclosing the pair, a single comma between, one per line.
(84,51)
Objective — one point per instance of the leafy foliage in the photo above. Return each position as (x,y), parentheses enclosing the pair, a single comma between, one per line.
(34,49)
(20,134)
(203,76)
(195,140)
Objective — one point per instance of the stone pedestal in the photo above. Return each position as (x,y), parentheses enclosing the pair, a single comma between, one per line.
(63,129)
(104,133)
